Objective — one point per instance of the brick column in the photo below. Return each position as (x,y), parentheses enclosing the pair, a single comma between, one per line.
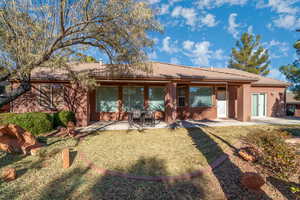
(170,103)
(244,103)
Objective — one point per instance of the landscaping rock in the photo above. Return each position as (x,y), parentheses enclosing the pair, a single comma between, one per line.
(66,158)
(36,151)
(14,139)
(252,180)
(248,154)
(71,129)
(59,128)
(9,174)
(293,140)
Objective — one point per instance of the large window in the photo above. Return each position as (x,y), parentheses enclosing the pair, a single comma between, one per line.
(157,98)
(107,99)
(133,98)
(181,96)
(51,95)
(201,96)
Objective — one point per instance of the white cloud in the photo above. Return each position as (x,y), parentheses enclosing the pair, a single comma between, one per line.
(189,14)
(219,55)
(152,1)
(200,53)
(280,6)
(174,1)
(232,28)
(167,47)
(277,49)
(164,9)
(250,30)
(152,55)
(209,20)
(188,45)
(276,74)
(209,4)
(287,22)
(174,60)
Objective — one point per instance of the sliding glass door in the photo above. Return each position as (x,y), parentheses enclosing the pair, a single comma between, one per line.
(133,98)
(259,105)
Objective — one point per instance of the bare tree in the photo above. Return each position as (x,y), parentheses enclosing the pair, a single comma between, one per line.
(47,33)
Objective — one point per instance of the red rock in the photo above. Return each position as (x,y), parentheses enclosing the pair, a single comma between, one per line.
(9,174)
(252,180)
(36,151)
(248,154)
(14,139)
(16,131)
(29,138)
(66,158)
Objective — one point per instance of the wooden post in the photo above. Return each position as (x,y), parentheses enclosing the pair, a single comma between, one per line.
(66,158)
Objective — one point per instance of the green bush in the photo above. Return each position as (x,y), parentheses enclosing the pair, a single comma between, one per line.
(278,157)
(63,117)
(34,122)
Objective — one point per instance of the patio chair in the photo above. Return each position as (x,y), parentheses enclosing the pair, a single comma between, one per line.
(149,116)
(136,115)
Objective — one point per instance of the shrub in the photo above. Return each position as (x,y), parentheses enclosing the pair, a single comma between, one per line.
(63,117)
(276,156)
(34,122)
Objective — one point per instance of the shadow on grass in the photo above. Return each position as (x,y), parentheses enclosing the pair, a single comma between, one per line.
(295,131)
(228,174)
(115,187)
(8,159)
(66,186)
(284,187)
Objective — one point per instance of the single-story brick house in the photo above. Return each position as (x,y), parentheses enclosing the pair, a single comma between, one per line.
(292,105)
(173,91)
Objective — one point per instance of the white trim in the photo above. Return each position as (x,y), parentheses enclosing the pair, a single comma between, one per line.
(226,105)
(266,105)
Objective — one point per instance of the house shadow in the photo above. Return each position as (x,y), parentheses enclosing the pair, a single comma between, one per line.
(228,174)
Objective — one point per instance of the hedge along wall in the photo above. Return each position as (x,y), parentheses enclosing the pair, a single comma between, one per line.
(34,122)
(73,97)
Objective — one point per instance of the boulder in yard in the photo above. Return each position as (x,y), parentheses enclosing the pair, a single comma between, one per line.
(9,174)
(14,139)
(252,180)
(36,151)
(248,154)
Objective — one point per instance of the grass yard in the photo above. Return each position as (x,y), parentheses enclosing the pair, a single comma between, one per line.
(148,153)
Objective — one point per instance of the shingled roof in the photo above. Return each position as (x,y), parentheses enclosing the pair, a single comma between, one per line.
(160,71)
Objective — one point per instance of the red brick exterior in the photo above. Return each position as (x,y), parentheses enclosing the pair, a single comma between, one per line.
(72,98)
(83,102)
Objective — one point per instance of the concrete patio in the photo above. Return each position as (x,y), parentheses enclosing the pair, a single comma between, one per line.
(124,125)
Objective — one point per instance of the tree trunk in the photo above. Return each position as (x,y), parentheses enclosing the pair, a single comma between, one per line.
(23,88)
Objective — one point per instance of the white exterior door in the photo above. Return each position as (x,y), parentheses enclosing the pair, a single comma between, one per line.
(259,103)
(221,104)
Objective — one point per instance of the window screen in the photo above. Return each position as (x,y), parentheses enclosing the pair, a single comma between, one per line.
(201,96)
(181,96)
(106,99)
(133,98)
(157,98)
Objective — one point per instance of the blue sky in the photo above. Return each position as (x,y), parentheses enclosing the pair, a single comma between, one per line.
(202,32)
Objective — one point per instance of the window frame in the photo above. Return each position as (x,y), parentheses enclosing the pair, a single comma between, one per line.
(164,92)
(117,104)
(51,95)
(123,100)
(185,96)
(211,97)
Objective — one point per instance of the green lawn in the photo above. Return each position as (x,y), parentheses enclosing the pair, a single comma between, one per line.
(148,153)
